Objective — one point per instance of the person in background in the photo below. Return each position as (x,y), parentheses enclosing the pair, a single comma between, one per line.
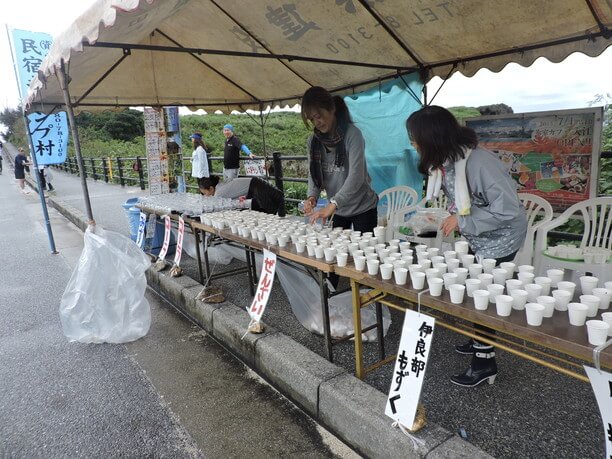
(483,203)
(199,160)
(336,151)
(21,165)
(45,177)
(264,197)
(231,153)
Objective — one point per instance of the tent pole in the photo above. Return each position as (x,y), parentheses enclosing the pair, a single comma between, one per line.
(263,133)
(63,81)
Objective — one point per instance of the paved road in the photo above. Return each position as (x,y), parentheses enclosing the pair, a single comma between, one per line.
(530,411)
(173,393)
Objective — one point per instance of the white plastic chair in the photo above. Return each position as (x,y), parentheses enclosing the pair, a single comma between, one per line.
(441,202)
(597,216)
(400,201)
(535,206)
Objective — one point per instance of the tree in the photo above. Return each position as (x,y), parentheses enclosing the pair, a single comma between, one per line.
(495,109)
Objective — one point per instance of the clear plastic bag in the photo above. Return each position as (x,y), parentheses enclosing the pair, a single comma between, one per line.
(104,301)
(425,220)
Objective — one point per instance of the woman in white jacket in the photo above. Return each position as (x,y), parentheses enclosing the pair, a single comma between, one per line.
(199,160)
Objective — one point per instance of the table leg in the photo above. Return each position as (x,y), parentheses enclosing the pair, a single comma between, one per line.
(206,262)
(357,325)
(247,253)
(325,312)
(379,331)
(253,265)
(196,234)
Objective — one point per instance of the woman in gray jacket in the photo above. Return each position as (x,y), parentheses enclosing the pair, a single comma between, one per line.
(483,204)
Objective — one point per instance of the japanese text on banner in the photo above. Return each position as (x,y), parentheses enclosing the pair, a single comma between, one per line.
(266,279)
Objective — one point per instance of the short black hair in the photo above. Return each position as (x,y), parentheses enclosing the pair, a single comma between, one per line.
(207,182)
(439,137)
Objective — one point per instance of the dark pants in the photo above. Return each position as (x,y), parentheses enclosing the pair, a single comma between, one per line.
(265,197)
(43,182)
(364,222)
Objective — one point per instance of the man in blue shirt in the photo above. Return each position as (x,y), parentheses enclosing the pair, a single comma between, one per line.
(231,153)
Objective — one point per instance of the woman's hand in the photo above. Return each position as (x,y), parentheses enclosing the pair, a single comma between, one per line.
(449,225)
(323,214)
(309,205)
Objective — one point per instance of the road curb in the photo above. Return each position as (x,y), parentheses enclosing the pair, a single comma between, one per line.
(347,406)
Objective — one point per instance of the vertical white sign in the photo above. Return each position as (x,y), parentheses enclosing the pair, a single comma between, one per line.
(167,232)
(141,229)
(266,278)
(179,242)
(601,382)
(410,366)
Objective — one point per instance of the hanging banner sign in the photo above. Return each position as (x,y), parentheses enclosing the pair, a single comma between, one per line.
(30,50)
(179,242)
(410,367)
(268,270)
(601,382)
(49,137)
(141,229)
(167,232)
(255,167)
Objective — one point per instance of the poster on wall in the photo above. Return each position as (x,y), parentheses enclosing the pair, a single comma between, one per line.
(553,154)
(156,148)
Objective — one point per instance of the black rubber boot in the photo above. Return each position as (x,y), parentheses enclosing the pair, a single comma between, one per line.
(467,348)
(483,367)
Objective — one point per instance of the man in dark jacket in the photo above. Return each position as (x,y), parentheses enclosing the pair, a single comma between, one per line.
(231,153)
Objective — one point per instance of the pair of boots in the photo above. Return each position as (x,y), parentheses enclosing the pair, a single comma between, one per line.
(482,368)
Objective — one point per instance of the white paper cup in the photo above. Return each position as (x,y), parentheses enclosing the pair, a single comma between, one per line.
(450,255)
(425,264)
(467,260)
(319,251)
(475,270)
(433,272)
(399,264)
(519,299)
(436,259)
(608,285)
(503,305)
(508,266)
(357,253)
(433,251)
(562,298)
(456,293)
(452,265)
(486,279)
(418,280)
(386,271)
(330,254)
(462,274)
(449,279)
(488,265)
(442,267)
(549,304)
(435,285)
(597,331)
(525,277)
(535,313)
(364,244)
(404,246)
(533,292)
(607,317)
(513,284)
(587,284)
(526,269)
(311,250)
(499,276)
(371,256)
(604,296)
(415,268)
(568,287)
(545,282)
(471,285)
(373,267)
(481,299)
(401,275)
(341,259)
(592,302)
(300,247)
(494,291)
(555,276)
(421,248)
(461,247)
(283,240)
(360,263)
(577,313)
(394,242)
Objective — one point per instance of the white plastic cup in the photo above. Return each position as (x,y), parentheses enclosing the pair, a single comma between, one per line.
(457,291)
(357,253)
(394,242)
(508,266)
(450,255)
(499,276)
(401,275)
(577,313)
(494,291)
(467,260)
(461,247)
(462,274)
(415,268)
(433,251)
(533,292)
(386,271)
(545,282)
(567,286)
(471,285)
(475,270)
(592,303)
(503,305)
(549,304)
(441,266)
(526,269)
(488,265)
(425,264)
(607,317)
(436,259)
(604,296)
(283,240)
(311,250)
(562,298)
(433,272)
(486,279)
(555,276)
(587,284)
(452,265)
(399,264)
(371,256)
(360,262)
(418,280)
(373,267)
(535,313)
(608,285)
(341,259)
(519,299)
(449,279)
(513,284)
(319,251)
(481,299)
(597,331)
(421,248)
(526,277)
(300,247)
(435,286)
(330,254)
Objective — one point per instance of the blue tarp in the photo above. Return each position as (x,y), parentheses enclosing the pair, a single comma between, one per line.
(380,113)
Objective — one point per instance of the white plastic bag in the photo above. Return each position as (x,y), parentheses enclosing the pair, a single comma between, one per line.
(104,300)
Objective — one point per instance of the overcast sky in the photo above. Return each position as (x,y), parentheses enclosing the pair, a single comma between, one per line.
(543,86)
